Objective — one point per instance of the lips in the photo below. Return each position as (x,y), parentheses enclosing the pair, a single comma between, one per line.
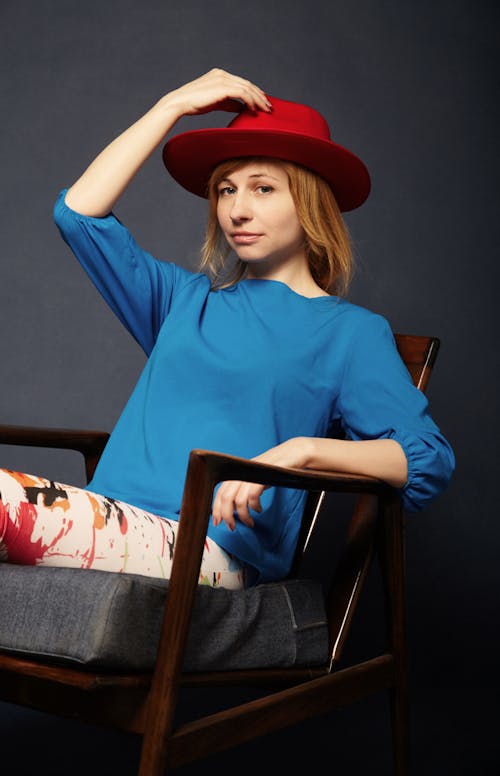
(245,238)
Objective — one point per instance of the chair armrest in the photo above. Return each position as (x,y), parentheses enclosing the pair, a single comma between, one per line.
(229,467)
(90,443)
(205,469)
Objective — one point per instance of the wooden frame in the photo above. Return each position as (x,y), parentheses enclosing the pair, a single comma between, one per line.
(146,703)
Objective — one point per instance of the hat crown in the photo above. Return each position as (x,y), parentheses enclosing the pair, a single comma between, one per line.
(285,117)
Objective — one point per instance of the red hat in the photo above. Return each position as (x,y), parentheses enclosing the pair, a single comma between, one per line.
(291,132)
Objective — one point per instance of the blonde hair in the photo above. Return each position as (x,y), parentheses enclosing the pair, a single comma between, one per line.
(327,242)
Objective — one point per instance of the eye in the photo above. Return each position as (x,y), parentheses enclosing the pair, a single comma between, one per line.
(225,191)
(264,189)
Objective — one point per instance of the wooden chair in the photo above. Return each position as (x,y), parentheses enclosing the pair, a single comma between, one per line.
(146,704)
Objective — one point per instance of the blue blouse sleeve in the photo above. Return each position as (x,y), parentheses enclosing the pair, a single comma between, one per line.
(379,400)
(138,288)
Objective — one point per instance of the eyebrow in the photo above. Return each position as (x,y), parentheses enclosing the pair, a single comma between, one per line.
(255,175)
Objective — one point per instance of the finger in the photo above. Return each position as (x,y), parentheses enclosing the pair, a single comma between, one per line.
(254,97)
(227,517)
(254,502)
(217,506)
(230,105)
(245,82)
(251,94)
(232,498)
(224,504)
(241,508)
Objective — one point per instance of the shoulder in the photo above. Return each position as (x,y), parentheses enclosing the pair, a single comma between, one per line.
(356,320)
(364,340)
(193,282)
(355,312)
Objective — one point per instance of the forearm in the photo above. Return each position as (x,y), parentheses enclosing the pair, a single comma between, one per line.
(381,458)
(97,190)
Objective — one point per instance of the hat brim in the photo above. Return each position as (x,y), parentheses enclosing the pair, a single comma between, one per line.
(192,156)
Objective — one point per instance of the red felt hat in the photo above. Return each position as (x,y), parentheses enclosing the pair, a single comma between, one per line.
(291,132)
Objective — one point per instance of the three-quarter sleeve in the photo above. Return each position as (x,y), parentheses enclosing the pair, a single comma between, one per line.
(137,287)
(379,400)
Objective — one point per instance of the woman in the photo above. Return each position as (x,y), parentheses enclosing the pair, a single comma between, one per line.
(263,359)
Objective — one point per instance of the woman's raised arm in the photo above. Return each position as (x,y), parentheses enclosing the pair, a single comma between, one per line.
(97,190)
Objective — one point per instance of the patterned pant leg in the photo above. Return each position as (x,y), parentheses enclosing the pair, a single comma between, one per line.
(49,524)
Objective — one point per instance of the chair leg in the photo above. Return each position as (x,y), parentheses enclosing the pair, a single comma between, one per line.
(392,557)
(400,727)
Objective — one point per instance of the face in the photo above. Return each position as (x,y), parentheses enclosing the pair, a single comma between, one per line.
(257,215)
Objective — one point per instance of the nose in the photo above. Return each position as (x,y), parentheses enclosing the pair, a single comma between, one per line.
(240,207)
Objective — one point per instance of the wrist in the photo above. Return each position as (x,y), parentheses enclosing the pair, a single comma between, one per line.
(169,108)
(306,452)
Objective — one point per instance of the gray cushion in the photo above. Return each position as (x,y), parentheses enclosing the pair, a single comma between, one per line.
(109,620)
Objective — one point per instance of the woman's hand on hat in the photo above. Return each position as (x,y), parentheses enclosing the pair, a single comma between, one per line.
(217,90)
(235,498)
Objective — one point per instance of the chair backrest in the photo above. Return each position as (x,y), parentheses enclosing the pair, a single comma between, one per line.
(418,352)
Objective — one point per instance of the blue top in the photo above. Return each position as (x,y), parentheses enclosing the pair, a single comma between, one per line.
(238,371)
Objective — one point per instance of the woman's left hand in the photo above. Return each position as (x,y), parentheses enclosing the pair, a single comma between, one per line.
(236,498)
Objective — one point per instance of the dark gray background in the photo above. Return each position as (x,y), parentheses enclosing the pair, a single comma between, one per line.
(409,85)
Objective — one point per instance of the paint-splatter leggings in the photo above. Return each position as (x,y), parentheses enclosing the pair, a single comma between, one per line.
(50,524)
